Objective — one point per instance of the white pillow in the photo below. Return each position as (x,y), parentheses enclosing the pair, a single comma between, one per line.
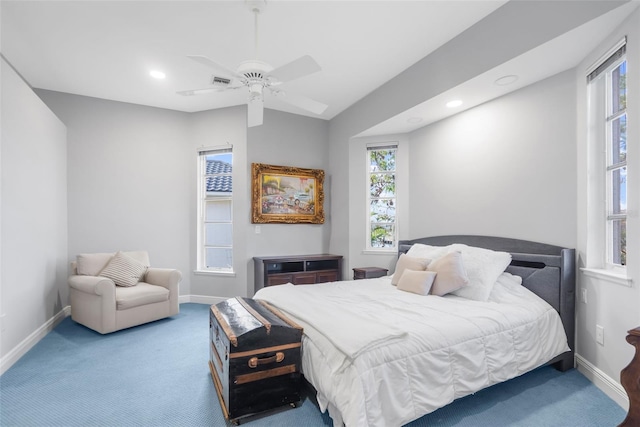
(510,280)
(483,266)
(451,274)
(124,270)
(406,262)
(508,289)
(418,250)
(418,282)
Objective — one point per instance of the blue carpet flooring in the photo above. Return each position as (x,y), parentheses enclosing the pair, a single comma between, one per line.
(157,375)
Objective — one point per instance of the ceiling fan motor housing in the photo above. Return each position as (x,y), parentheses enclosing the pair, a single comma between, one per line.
(255,76)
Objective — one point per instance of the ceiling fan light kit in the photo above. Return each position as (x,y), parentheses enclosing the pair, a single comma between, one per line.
(259,77)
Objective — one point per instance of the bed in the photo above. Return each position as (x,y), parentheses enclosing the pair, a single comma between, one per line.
(378,356)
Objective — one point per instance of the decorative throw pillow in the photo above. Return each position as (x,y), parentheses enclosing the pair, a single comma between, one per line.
(124,270)
(483,266)
(451,274)
(140,256)
(418,282)
(406,262)
(92,264)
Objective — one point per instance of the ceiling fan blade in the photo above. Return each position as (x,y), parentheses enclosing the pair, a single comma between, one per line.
(303,102)
(255,110)
(212,64)
(300,67)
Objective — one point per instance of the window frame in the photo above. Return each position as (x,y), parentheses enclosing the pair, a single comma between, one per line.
(611,167)
(203,199)
(601,132)
(368,199)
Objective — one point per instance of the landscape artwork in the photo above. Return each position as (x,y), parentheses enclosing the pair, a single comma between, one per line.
(285,194)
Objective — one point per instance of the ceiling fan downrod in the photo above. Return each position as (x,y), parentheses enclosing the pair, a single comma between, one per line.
(256,7)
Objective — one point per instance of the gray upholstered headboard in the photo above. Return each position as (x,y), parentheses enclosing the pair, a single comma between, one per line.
(546,270)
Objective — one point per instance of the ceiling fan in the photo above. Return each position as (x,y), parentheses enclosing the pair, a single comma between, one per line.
(260,78)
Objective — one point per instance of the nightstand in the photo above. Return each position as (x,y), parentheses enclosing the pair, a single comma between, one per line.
(369,272)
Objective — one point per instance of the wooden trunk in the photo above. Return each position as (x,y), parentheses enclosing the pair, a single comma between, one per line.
(254,357)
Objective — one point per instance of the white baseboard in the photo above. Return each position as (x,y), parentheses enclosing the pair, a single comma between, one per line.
(21,349)
(608,385)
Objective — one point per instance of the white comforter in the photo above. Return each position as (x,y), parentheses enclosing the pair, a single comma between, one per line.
(379,356)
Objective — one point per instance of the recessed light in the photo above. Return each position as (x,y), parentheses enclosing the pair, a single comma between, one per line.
(414,120)
(454,104)
(157,74)
(506,80)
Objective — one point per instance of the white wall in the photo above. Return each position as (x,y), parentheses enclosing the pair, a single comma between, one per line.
(216,128)
(33,286)
(130,168)
(288,140)
(133,175)
(283,139)
(505,168)
(611,305)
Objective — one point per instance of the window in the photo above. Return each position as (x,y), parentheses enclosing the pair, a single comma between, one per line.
(382,229)
(215,210)
(608,122)
(617,165)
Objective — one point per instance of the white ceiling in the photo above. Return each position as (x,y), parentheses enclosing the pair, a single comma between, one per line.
(555,56)
(106,49)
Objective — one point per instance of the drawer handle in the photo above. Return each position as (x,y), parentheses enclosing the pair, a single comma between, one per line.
(254,361)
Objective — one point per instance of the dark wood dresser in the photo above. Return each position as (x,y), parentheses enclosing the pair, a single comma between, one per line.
(630,379)
(299,270)
(254,358)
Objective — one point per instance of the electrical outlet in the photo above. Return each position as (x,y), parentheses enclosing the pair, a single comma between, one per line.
(599,334)
(583,296)
(258,230)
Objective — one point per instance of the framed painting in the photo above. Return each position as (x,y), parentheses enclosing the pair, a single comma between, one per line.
(286,195)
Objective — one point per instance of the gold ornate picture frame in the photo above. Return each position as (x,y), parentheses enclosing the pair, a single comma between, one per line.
(286,195)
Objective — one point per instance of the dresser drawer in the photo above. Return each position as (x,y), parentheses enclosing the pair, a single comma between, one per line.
(327,276)
(279,279)
(304,278)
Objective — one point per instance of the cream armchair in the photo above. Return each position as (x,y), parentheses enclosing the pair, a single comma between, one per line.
(98,303)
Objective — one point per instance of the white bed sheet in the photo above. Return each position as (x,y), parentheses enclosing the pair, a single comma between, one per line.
(440,348)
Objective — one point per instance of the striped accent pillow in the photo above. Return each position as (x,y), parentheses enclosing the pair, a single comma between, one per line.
(124,270)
